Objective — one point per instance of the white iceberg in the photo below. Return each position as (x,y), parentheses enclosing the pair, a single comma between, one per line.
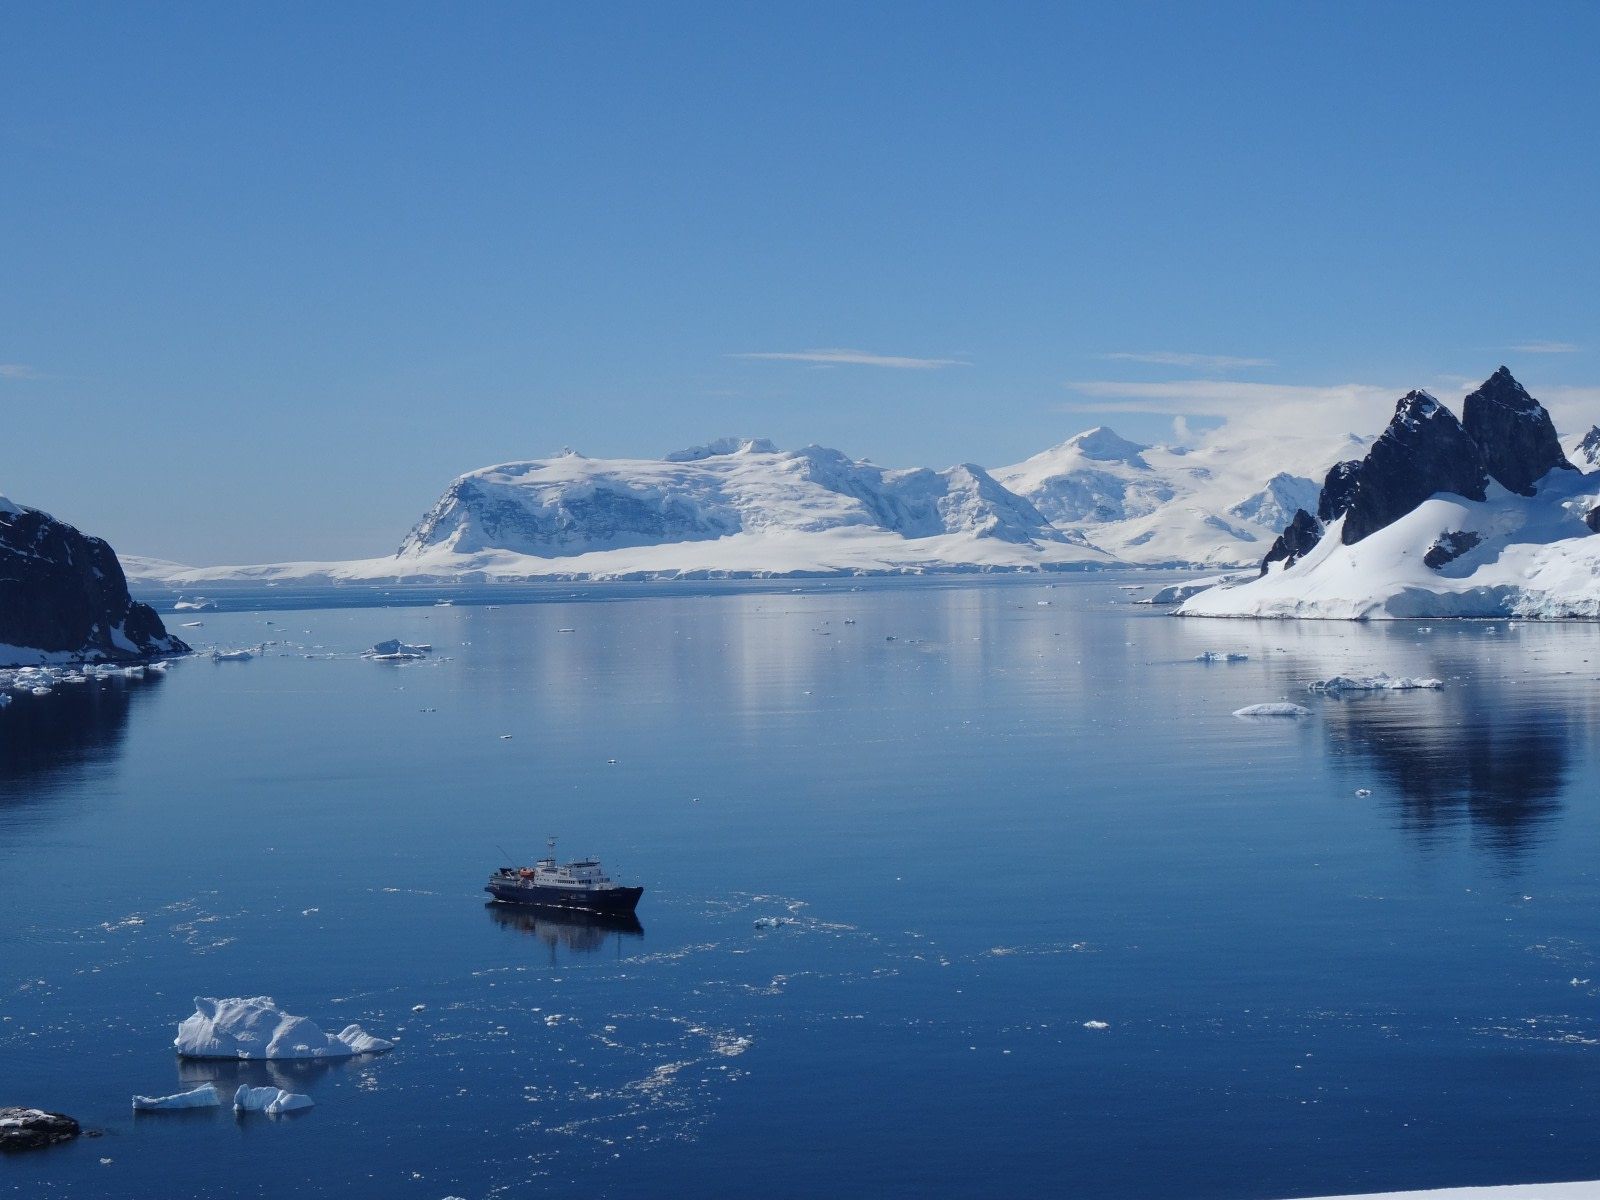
(201,1097)
(1380,682)
(395,649)
(1272,710)
(255,1027)
(268,1100)
(1213,656)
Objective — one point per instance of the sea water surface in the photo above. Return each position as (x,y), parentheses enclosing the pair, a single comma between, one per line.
(954,888)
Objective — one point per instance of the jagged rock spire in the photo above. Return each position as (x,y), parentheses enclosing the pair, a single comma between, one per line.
(1424,450)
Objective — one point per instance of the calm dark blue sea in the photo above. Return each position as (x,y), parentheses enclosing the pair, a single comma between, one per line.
(1055,921)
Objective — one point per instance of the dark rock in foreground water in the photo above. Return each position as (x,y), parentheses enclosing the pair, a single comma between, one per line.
(33,1128)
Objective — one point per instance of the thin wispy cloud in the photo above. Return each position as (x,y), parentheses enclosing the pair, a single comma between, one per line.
(1548,348)
(1303,408)
(18,371)
(1206,362)
(858,358)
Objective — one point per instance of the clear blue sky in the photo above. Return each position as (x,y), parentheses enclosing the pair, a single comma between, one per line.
(274,274)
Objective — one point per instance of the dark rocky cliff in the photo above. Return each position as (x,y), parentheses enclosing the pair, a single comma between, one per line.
(1506,436)
(1424,450)
(63,595)
(1513,433)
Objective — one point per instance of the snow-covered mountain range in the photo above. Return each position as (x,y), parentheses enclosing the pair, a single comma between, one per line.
(573,505)
(1220,503)
(741,507)
(1482,516)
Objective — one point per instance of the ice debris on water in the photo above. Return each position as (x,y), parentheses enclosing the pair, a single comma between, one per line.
(1272,710)
(204,1096)
(254,1027)
(1371,683)
(1363,792)
(394,650)
(1212,656)
(269,1100)
(1096,1025)
(773,922)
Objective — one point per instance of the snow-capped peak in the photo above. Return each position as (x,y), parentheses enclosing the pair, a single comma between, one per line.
(1102,444)
(722,445)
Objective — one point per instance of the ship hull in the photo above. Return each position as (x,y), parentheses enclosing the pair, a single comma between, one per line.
(608,900)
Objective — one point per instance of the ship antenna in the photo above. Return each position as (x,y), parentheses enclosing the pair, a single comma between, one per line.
(552,844)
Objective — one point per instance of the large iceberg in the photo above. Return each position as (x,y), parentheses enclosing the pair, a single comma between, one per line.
(255,1027)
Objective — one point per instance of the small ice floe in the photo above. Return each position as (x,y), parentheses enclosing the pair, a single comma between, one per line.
(269,1100)
(193,624)
(1272,710)
(394,650)
(220,655)
(1380,682)
(1096,1025)
(1211,656)
(201,1097)
(198,604)
(773,922)
(1363,792)
(254,1027)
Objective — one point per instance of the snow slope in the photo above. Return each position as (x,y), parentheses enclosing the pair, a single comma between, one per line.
(848,551)
(1534,557)
(1527,1191)
(733,508)
(1220,503)
(573,505)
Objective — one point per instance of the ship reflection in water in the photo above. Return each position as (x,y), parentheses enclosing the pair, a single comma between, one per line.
(571,929)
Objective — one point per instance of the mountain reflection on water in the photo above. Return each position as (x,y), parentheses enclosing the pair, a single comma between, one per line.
(578,932)
(76,725)
(1459,759)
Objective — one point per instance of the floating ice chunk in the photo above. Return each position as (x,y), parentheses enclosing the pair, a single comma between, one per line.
(255,1027)
(201,1097)
(773,922)
(1211,656)
(395,650)
(231,656)
(268,1100)
(1363,792)
(1371,683)
(1096,1025)
(361,1042)
(1272,710)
